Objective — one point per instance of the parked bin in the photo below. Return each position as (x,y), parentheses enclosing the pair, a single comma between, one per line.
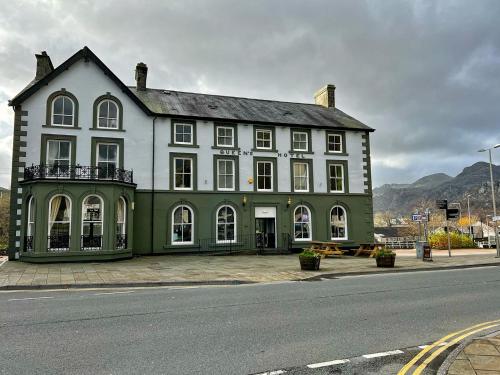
(423,250)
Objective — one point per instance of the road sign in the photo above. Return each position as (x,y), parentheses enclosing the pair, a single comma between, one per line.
(452,213)
(442,204)
(495,218)
(416,217)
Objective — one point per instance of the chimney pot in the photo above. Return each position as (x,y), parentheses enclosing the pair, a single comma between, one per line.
(141,75)
(325,96)
(43,65)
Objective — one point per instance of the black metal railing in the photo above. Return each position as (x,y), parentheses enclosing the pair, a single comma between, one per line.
(90,242)
(121,241)
(246,242)
(77,172)
(28,243)
(58,242)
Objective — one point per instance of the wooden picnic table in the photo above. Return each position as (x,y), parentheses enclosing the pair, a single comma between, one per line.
(325,248)
(367,249)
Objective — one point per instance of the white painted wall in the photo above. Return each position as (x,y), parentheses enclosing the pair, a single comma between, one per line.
(87,82)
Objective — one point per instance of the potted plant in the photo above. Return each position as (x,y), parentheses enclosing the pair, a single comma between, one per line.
(309,260)
(385,257)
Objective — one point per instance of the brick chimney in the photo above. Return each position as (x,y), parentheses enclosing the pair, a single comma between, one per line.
(325,96)
(43,65)
(141,75)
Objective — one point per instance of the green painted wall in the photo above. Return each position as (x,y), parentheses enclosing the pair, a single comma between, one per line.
(205,204)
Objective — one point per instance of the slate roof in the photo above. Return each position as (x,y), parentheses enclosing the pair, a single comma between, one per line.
(230,108)
(159,102)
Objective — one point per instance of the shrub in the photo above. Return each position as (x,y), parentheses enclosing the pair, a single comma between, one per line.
(309,254)
(439,240)
(384,252)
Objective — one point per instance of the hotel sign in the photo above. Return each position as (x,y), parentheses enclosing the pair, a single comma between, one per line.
(277,154)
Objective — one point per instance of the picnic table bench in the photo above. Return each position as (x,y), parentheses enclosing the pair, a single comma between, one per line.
(325,248)
(367,249)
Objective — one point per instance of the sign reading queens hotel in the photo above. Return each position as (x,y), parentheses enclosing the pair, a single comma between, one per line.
(102,170)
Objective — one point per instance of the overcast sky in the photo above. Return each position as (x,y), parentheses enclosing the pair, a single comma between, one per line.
(424,74)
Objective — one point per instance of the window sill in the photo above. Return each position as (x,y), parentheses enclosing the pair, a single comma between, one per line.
(229,148)
(107,129)
(182,145)
(181,246)
(60,127)
(301,152)
(263,150)
(337,153)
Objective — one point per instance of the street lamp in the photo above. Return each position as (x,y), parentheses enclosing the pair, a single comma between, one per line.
(497,244)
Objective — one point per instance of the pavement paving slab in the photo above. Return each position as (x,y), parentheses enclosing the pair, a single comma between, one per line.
(480,357)
(235,268)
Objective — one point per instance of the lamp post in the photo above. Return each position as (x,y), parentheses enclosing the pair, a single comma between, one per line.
(471,232)
(497,244)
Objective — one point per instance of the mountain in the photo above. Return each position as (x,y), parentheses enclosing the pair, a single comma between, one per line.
(402,199)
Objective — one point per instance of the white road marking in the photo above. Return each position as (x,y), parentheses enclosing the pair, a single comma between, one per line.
(276,372)
(107,293)
(383,354)
(28,298)
(425,346)
(3,261)
(330,363)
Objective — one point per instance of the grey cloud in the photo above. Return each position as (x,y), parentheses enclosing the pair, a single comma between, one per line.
(425,74)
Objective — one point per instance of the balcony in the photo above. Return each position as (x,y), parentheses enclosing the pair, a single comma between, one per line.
(77,172)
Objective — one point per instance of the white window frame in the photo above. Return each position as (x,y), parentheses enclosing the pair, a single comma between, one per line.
(30,227)
(341,143)
(330,177)
(225,224)
(258,175)
(175,133)
(117,162)
(346,236)
(62,114)
(267,131)
(124,222)
(175,173)
(108,118)
(173,224)
(92,221)
(218,127)
(63,222)
(307,141)
(307,177)
(47,154)
(233,174)
(299,222)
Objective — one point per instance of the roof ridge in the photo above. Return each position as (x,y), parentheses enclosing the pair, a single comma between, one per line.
(230,96)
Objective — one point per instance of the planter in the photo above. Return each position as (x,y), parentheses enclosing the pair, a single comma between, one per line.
(386,261)
(309,263)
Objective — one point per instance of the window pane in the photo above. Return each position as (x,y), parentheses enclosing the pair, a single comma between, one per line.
(113,110)
(68,106)
(67,120)
(58,120)
(103,109)
(103,123)
(64,148)
(58,106)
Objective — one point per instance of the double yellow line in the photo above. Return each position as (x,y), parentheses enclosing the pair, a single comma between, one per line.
(459,335)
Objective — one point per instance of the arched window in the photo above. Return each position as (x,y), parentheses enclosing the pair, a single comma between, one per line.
(121,224)
(338,223)
(182,226)
(63,111)
(107,115)
(59,223)
(30,225)
(92,217)
(302,224)
(226,224)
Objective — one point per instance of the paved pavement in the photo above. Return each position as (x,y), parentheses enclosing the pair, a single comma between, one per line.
(244,329)
(212,269)
(480,357)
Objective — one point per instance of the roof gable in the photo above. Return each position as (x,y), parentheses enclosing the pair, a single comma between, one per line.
(86,54)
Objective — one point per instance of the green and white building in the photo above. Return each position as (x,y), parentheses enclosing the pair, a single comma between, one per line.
(102,170)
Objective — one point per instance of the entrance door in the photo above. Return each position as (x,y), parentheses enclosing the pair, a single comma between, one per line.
(265,232)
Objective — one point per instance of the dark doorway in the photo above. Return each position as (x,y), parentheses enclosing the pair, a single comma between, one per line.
(265,233)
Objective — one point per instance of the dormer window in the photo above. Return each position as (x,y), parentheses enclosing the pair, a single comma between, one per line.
(63,111)
(107,115)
